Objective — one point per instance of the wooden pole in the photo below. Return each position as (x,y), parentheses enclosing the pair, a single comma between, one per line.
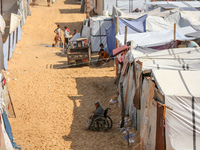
(174,31)
(1,7)
(125,36)
(131,44)
(116,42)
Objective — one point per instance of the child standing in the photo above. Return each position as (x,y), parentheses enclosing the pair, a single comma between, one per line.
(56,39)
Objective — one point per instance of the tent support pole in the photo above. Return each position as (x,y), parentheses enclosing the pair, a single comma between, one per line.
(116,42)
(175,32)
(125,36)
(2,7)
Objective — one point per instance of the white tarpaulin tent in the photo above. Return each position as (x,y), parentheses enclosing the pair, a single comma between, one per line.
(126,6)
(182,94)
(1,53)
(131,16)
(171,59)
(14,22)
(98,26)
(75,37)
(186,5)
(2,24)
(150,39)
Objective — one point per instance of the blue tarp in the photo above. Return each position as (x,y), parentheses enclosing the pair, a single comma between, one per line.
(110,38)
(5,53)
(133,26)
(9,130)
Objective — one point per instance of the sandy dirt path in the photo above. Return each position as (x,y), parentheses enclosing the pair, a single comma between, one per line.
(52,105)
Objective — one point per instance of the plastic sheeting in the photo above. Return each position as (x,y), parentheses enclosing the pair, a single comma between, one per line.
(156,12)
(5,52)
(2,24)
(96,41)
(1,53)
(8,129)
(184,4)
(75,37)
(98,26)
(126,6)
(134,26)
(150,39)
(171,59)
(5,137)
(182,95)
(14,22)
(86,32)
(110,37)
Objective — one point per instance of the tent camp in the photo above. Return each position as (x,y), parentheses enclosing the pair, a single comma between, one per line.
(158,38)
(184,5)
(158,89)
(14,14)
(98,27)
(127,6)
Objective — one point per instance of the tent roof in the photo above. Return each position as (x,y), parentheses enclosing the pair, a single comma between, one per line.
(170,59)
(168,6)
(9,6)
(178,83)
(75,37)
(150,39)
(178,4)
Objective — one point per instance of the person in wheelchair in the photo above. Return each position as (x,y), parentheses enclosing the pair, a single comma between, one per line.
(97,113)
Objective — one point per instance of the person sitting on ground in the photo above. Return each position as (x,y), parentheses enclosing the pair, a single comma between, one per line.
(102,47)
(103,54)
(56,39)
(57,30)
(74,32)
(98,112)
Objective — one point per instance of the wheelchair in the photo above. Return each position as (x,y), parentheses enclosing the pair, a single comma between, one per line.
(101,123)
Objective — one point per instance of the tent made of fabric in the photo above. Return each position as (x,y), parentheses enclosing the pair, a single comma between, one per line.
(167,4)
(98,27)
(156,12)
(14,22)
(133,26)
(2,24)
(9,6)
(1,53)
(75,37)
(183,96)
(150,39)
(170,59)
(127,6)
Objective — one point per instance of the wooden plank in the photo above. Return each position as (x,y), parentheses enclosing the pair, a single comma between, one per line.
(116,42)
(125,37)
(160,135)
(174,31)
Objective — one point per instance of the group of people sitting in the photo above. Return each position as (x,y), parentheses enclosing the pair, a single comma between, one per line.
(57,37)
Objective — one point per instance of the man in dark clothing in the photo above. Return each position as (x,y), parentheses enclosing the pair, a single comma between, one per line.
(98,112)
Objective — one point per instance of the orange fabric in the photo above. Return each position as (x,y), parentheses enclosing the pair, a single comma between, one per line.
(105,54)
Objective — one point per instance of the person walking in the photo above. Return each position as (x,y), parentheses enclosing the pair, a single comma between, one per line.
(48,3)
(66,35)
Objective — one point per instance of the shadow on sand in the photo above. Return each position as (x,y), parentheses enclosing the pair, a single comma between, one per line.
(91,89)
(69,11)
